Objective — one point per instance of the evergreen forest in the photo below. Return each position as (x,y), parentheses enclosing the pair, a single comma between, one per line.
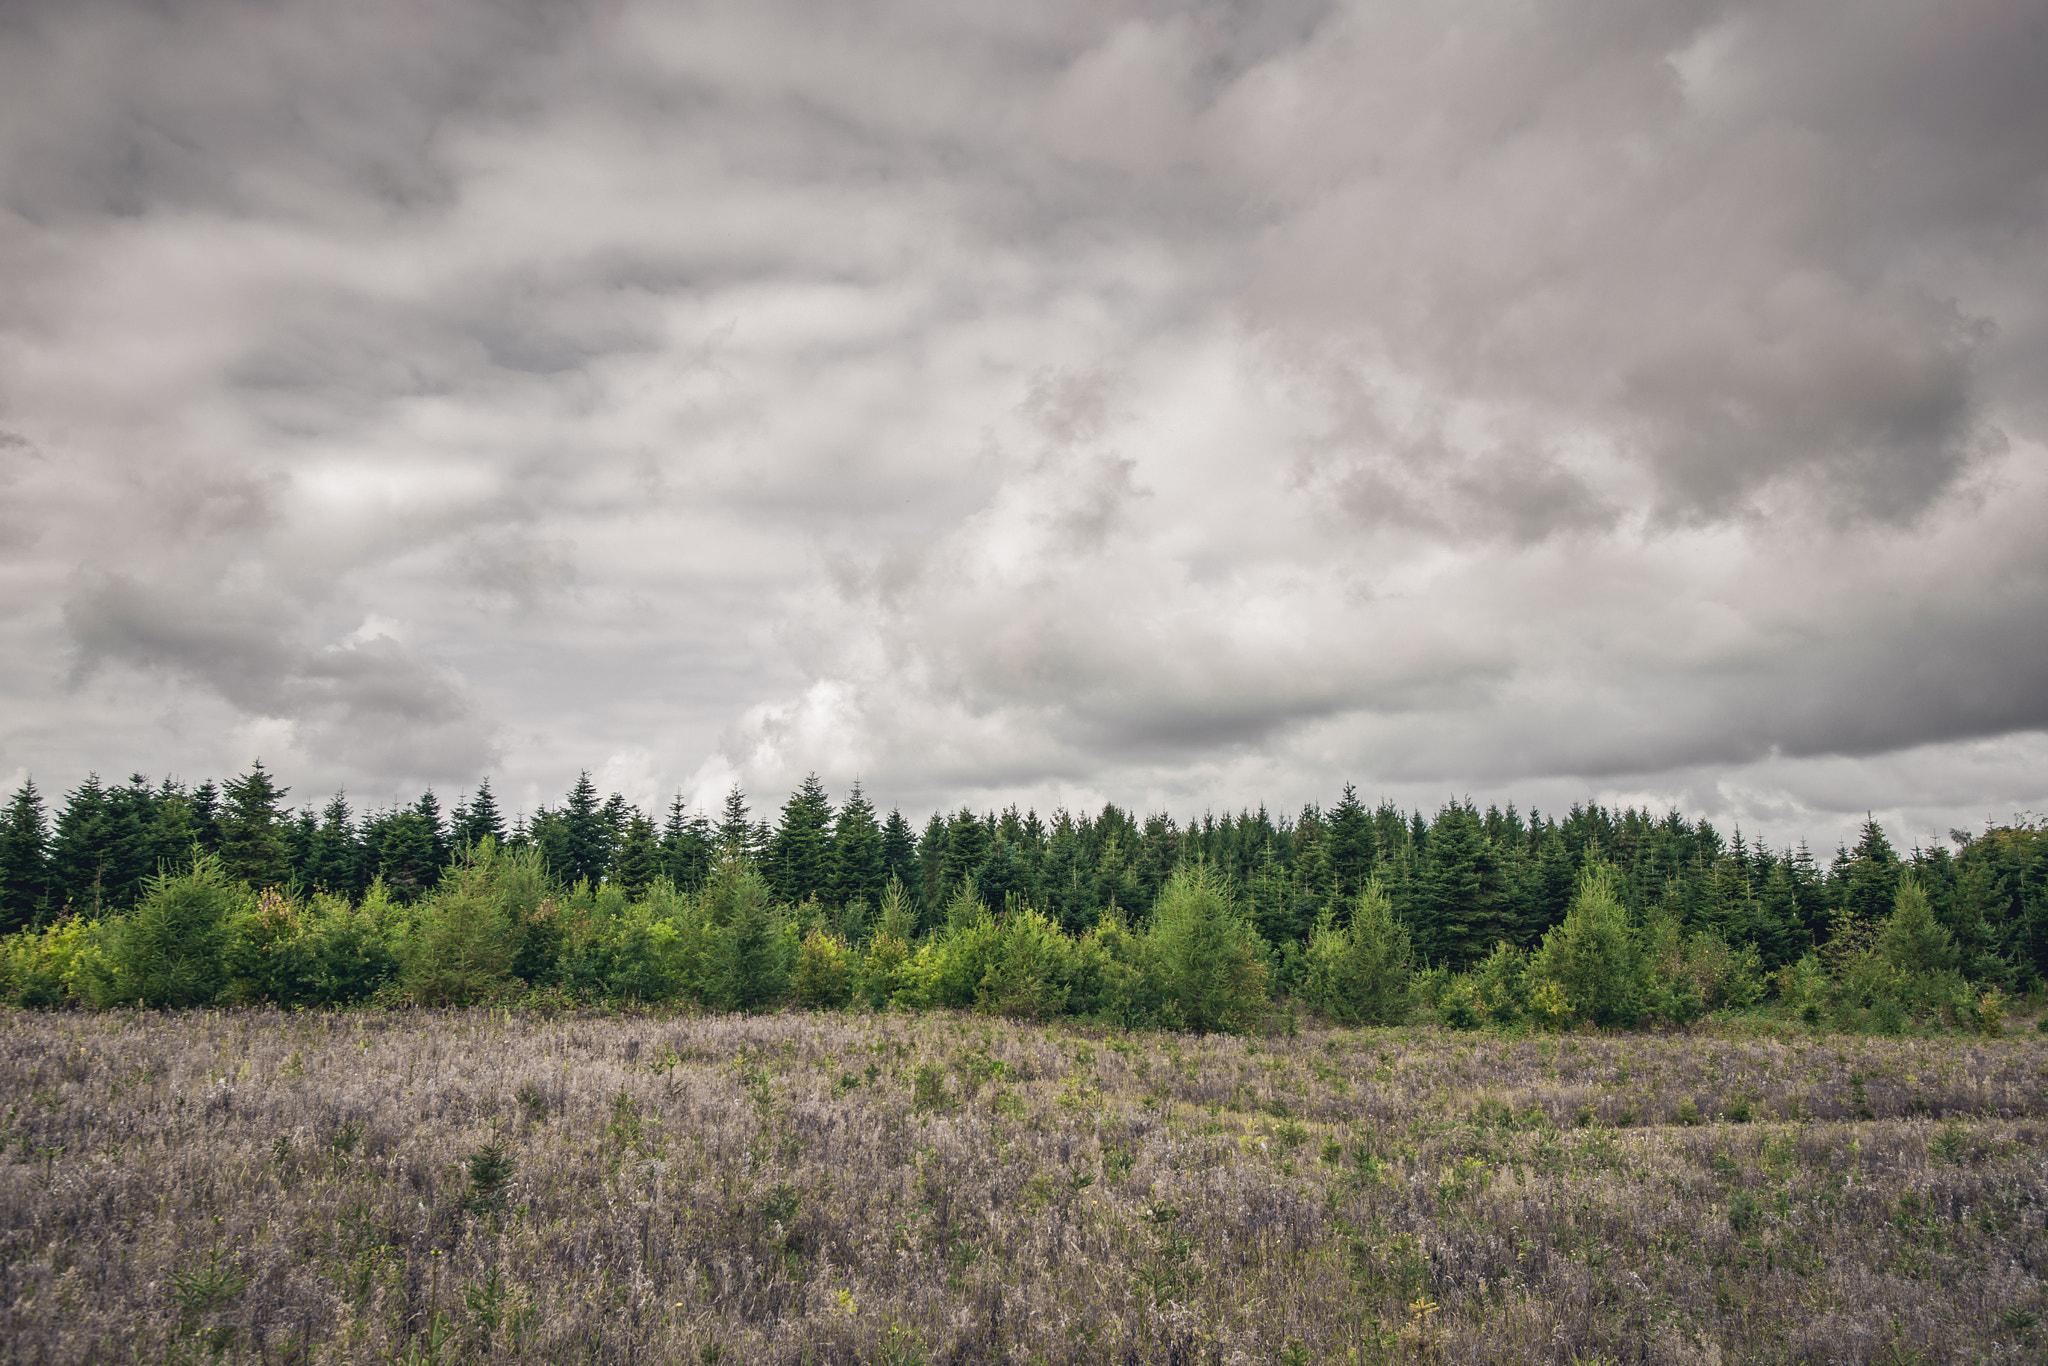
(162,894)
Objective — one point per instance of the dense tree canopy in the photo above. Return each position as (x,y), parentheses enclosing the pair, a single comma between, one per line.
(1454,889)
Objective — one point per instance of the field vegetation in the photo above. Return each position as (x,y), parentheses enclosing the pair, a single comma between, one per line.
(478,1184)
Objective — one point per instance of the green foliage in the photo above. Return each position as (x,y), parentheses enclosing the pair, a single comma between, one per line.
(824,976)
(1593,959)
(1212,976)
(745,957)
(322,952)
(63,964)
(491,1169)
(1359,973)
(463,939)
(252,844)
(168,952)
(1030,969)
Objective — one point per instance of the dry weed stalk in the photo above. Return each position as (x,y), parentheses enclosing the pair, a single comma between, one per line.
(479,1186)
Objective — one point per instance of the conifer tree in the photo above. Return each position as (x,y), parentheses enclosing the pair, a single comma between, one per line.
(1351,844)
(799,862)
(899,849)
(24,859)
(931,867)
(585,835)
(639,859)
(479,819)
(206,816)
(688,845)
(405,855)
(737,834)
(859,867)
(79,849)
(1211,968)
(336,861)
(252,846)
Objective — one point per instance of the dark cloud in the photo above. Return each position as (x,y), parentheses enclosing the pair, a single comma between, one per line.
(1191,403)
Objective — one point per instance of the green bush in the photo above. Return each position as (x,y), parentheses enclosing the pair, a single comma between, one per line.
(745,958)
(824,972)
(169,950)
(61,964)
(1593,958)
(1029,970)
(1211,970)
(1360,973)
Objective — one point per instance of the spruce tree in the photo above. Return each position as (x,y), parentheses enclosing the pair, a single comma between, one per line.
(252,844)
(737,834)
(405,855)
(479,819)
(931,868)
(585,835)
(859,869)
(1351,844)
(79,849)
(799,861)
(24,860)
(336,858)
(688,845)
(206,816)
(639,859)
(899,849)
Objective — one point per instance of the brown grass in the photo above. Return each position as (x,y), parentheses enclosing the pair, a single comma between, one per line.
(297,1188)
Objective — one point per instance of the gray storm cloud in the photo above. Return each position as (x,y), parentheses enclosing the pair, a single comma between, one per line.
(1191,404)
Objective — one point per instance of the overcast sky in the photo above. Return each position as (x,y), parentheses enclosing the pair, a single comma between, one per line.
(1184,405)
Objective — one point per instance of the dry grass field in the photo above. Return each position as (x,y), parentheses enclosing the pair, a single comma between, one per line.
(943,1188)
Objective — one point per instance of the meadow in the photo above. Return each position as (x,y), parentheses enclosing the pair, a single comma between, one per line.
(478,1185)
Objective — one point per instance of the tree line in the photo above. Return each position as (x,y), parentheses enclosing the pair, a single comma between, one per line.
(1469,911)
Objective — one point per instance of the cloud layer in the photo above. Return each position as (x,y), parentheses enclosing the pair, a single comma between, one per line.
(1185,404)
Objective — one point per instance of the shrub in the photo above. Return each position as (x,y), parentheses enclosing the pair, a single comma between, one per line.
(1210,966)
(461,944)
(62,964)
(1028,974)
(745,966)
(1593,957)
(1360,973)
(824,972)
(168,952)
(881,967)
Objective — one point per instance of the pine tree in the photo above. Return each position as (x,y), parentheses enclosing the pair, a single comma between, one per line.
(585,835)
(79,849)
(478,819)
(899,849)
(252,846)
(799,862)
(639,859)
(859,868)
(24,860)
(688,845)
(1351,844)
(336,858)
